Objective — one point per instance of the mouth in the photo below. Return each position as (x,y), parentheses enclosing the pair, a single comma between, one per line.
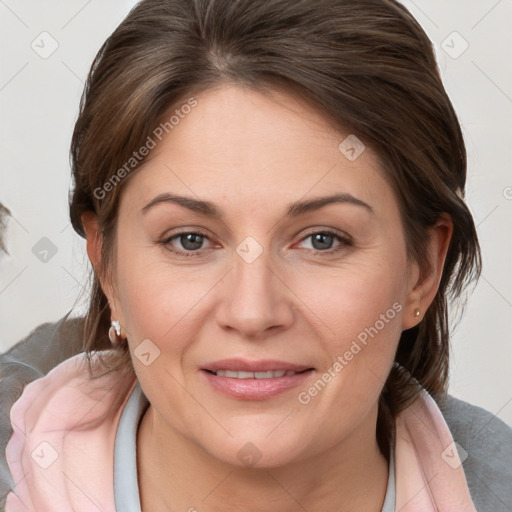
(255,375)
(254,380)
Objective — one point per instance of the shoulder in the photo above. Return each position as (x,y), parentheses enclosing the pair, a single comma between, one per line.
(72,414)
(31,358)
(487,440)
(45,347)
(69,389)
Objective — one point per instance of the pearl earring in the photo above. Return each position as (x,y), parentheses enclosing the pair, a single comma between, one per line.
(417,313)
(114,333)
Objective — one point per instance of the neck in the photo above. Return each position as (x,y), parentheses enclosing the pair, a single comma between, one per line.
(176,474)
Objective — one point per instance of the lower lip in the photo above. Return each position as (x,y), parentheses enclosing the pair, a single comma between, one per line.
(255,389)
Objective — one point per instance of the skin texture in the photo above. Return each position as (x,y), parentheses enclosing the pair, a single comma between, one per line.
(252,156)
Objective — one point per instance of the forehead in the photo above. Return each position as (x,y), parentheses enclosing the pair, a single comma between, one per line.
(238,145)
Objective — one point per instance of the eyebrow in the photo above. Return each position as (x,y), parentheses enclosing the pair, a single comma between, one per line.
(294,209)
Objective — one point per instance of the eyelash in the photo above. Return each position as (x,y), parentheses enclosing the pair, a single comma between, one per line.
(345,240)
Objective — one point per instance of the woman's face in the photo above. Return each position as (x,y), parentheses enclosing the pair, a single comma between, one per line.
(275,281)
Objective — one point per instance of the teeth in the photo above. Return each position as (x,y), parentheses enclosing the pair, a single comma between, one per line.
(253,375)
(268,375)
(243,375)
(227,373)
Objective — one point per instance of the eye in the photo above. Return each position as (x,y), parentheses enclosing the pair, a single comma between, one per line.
(190,242)
(322,241)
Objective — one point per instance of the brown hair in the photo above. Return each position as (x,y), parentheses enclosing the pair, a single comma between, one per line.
(367,65)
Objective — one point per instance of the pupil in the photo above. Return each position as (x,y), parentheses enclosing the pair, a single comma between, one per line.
(321,238)
(192,239)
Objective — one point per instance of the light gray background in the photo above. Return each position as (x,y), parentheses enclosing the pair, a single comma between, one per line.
(38,106)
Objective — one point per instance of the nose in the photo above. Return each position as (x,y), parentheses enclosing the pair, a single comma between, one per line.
(256,300)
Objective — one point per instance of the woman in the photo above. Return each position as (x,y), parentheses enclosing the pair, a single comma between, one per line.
(272,195)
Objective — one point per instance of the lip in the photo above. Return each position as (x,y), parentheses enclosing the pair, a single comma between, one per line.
(255,389)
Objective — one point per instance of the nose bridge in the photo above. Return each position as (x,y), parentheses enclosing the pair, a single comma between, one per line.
(256,300)
(253,278)
(252,271)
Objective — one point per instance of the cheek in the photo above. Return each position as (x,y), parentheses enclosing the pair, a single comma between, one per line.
(159,301)
(350,299)
(359,312)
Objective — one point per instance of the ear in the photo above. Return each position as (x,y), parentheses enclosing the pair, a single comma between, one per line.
(93,236)
(423,288)
(94,251)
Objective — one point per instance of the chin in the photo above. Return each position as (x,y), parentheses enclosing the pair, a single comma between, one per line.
(258,448)
(255,456)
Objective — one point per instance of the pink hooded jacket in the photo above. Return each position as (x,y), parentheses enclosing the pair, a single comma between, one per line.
(61,452)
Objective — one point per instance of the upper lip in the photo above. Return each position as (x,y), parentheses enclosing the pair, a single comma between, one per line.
(244,365)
